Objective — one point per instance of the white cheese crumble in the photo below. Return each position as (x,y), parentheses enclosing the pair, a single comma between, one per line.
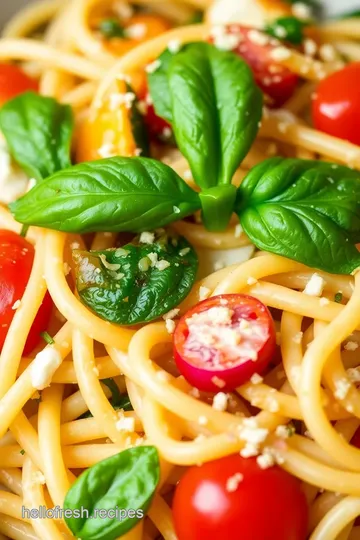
(154,66)
(162,265)
(351,346)
(310,47)
(327,53)
(107,150)
(298,337)
(258,37)
(283,432)
(256,379)
(174,46)
(170,326)
(342,388)
(353,374)
(315,286)
(117,100)
(16,304)
(126,423)
(265,460)
(202,420)
(232,483)
(301,11)
(43,367)
(280,53)
(184,251)
(153,258)
(123,10)
(220,383)
(147,238)
(324,301)
(220,401)
(110,266)
(67,269)
(136,31)
(171,314)
(225,40)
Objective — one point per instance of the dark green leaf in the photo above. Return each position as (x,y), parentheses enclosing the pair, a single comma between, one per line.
(115,194)
(338,297)
(118,401)
(197,18)
(308,211)
(111,28)
(138,282)
(288,29)
(126,481)
(139,130)
(159,86)
(38,131)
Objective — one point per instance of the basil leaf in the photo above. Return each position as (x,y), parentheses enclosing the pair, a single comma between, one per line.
(139,130)
(138,282)
(115,194)
(111,28)
(123,483)
(118,401)
(308,211)
(215,108)
(38,131)
(288,29)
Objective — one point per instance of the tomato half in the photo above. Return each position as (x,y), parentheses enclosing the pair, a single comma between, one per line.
(234,498)
(275,80)
(16,260)
(223,341)
(336,104)
(13,81)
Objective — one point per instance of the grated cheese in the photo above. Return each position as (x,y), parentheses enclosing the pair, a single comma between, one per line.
(162,265)
(342,388)
(238,231)
(280,53)
(256,379)
(202,420)
(126,423)
(43,367)
(184,252)
(220,401)
(136,31)
(298,337)
(154,66)
(147,238)
(324,301)
(67,269)
(170,326)
(353,374)
(315,286)
(301,11)
(171,314)
(109,266)
(174,46)
(233,482)
(351,346)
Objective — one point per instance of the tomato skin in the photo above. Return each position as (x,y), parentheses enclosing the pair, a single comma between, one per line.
(275,80)
(336,105)
(355,441)
(203,363)
(13,82)
(267,504)
(16,260)
(155,124)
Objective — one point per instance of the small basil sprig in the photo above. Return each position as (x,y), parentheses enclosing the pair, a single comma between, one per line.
(38,131)
(123,483)
(138,282)
(210,98)
(111,28)
(308,211)
(288,29)
(138,126)
(115,194)
(118,400)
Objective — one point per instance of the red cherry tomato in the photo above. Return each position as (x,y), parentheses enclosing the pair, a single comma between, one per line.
(233,498)
(158,127)
(336,105)
(277,81)
(223,341)
(16,259)
(13,81)
(355,441)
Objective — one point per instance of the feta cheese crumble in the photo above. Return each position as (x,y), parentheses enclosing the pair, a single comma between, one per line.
(43,367)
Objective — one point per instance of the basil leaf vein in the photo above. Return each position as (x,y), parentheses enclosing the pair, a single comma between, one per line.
(115,194)
(137,283)
(38,132)
(308,211)
(126,481)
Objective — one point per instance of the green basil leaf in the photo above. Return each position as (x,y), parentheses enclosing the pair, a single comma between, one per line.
(111,28)
(138,126)
(138,282)
(288,29)
(308,211)
(215,108)
(38,131)
(124,483)
(115,194)
(118,401)
(349,14)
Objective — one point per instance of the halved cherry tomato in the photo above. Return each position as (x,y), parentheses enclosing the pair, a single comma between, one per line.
(234,498)
(13,82)
(223,341)
(16,260)
(157,127)
(336,105)
(355,441)
(277,81)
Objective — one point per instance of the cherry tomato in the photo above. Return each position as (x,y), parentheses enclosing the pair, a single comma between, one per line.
(157,127)
(336,105)
(16,259)
(13,81)
(223,341)
(234,498)
(277,81)
(355,441)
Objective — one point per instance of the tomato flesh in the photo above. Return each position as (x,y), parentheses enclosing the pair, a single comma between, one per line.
(336,104)
(13,81)
(223,341)
(16,260)
(261,504)
(275,80)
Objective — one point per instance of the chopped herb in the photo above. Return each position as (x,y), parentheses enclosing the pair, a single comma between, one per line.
(46,337)
(111,28)
(118,400)
(288,29)
(197,18)
(291,429)
(22,451)
(338,297)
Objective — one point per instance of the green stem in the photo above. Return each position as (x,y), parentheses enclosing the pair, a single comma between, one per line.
(217,205)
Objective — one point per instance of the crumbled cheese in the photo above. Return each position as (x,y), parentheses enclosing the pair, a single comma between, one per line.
(301,11)
(109,266)
(184,252)
(225,40)
(353,374)
(342,388)
(238,230)
(107,150)
(327,53)
(126,423)
(43,367)
(280,53)
(194,392)
(324,301)
(251,281)
(233,482)
(253,434)
(202,420)
(136,31)
(174,46)
(117,100)
(153,258)
(315,286)
(220,401)
(258,37)
(298,337)
(220,383)
(138,152)
(154,66)
(214,315)
(16,304)
(170,326)
(256,379)
(67,269)
(123,10)
(162,265)
(120,252)
(249,450)
(265,460)
(273,405)
(171,314)
(351,346)
(310,47)
(204,292)
(75,245)
(284,432)
(147,238)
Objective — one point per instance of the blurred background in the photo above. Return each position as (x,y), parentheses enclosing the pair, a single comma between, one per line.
(333,7)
